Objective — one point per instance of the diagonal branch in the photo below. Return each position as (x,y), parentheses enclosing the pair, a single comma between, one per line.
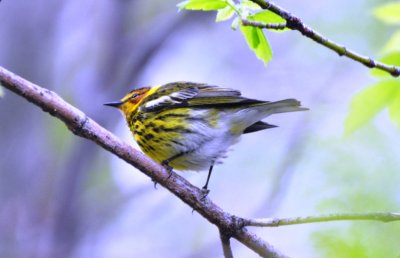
(81,125)
(295,23)
(276,222)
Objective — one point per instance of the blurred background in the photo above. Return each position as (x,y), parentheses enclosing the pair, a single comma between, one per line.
(62,196)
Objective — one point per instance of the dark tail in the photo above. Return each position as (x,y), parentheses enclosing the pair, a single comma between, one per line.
(283,106)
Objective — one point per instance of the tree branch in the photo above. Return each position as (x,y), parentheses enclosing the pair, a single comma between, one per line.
(81,125)
(226,245)
(256,244)
(295,23)
(276,222)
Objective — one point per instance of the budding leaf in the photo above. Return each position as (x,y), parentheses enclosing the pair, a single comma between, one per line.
(257,42)
(269,17)
(251,35)
(225,14)
(204,5)
(250,5)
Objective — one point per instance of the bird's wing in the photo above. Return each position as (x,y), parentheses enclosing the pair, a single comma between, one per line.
(168,96)
(196,95)
(217,97)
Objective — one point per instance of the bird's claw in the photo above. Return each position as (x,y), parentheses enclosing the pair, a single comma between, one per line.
(204,193)
(155,184)
(167,167)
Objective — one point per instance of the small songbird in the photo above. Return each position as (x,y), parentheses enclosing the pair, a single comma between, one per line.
(190,126)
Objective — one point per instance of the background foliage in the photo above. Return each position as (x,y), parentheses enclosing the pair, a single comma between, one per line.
(385,93)
(62,195)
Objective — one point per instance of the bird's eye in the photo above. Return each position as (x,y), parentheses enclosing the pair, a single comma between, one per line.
(134,95)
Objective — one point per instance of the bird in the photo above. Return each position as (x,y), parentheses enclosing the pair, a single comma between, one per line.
(191,126)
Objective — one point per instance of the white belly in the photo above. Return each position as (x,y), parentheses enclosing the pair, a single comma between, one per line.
(208,146)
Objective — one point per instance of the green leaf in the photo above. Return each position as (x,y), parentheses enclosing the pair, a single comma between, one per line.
(394,107)
(257,42)
(366,104)
(225,14)
(389,13)
(251,35)
(204,5)
(250,5)
(267,16)
(392,58)
(393,44)
(264,51)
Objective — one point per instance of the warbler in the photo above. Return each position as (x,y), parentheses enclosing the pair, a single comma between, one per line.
(190,126)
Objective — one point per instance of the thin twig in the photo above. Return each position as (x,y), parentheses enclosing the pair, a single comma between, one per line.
(226,245)
(256,244)
(270,26)
(276,222)
(81,125)
(294,23)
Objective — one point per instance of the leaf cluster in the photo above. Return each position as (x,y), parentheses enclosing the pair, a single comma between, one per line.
(385,93)
(238,11)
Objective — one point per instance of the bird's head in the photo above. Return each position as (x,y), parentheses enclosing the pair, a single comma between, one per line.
(130,102)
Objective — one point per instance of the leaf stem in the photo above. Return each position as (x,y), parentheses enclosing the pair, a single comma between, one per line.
(233,6)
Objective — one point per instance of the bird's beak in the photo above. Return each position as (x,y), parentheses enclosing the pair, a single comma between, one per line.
(113,104)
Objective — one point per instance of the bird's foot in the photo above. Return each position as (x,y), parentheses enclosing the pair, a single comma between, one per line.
(204,193)
(167,167)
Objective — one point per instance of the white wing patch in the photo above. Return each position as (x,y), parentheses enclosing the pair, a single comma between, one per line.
(185,94)
(161,101)
(170,100)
